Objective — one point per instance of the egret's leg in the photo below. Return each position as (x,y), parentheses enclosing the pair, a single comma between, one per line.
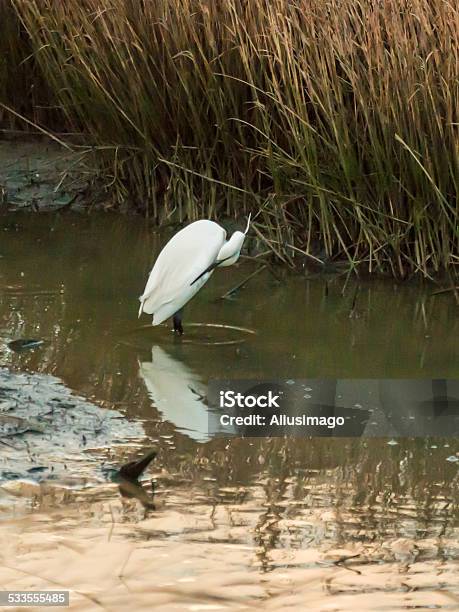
(178,322)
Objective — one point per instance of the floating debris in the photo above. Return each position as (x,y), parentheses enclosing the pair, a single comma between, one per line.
(24,344)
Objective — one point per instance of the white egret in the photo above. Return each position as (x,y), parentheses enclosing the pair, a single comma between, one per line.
(184,266)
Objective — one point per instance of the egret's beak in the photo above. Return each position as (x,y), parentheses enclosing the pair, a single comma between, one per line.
(210,268)
(248,224)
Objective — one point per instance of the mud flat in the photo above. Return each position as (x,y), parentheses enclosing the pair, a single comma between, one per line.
(47,432)
(40,175)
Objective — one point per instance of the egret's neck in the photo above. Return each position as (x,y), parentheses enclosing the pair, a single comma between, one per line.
(230,251)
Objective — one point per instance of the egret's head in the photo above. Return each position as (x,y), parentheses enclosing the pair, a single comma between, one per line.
(231,250)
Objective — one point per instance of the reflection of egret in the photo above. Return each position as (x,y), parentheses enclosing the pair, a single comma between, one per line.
(183,267)
(177,392)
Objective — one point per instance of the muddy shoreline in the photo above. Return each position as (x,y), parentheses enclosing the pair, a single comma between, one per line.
(48,432)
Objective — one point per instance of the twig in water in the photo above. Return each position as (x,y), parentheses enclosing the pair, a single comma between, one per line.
(447,290)
(242,283)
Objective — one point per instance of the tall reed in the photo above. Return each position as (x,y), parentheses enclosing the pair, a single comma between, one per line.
(338,119)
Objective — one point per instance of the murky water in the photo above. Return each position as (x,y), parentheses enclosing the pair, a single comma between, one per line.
(347,523)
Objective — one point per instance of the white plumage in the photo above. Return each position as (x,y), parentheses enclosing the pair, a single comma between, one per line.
(184,266)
